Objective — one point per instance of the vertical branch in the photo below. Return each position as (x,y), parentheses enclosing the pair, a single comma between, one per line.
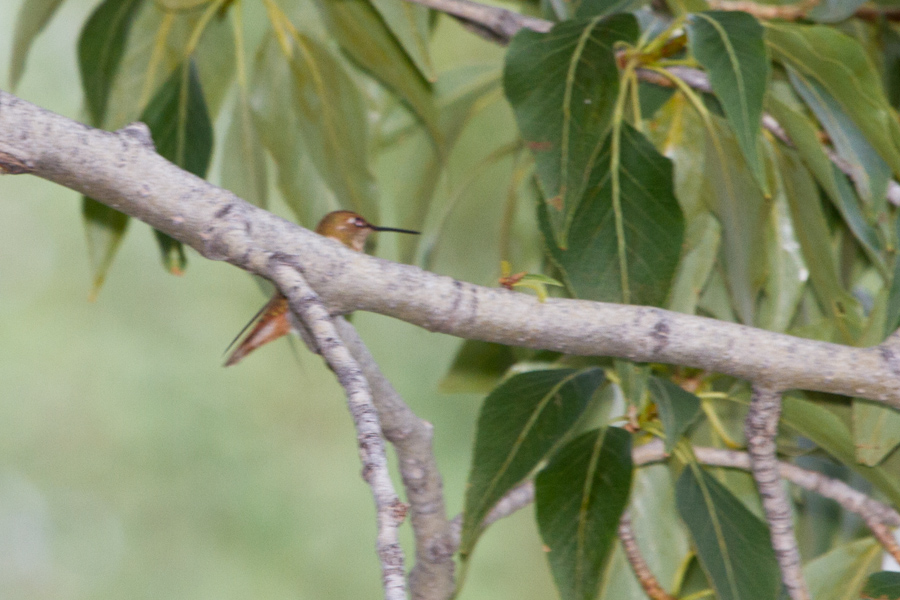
(432,576)
(760,428)
(641,569)
(390,511)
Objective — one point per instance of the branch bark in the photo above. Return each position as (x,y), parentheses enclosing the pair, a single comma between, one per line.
(122,170)
(389,510)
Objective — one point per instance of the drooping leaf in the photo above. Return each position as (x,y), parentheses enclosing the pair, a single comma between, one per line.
(704,234)
(869,172)
(660,536)
(841,573)
(33,17)
(730,47)
(278,128)
(739,204)
(243,156)
(104,228)
(625,239)
(563,86)
(876,431)
(653,97)
(331,115)
(832,11)
(410,25)
(732,543)
(812,232)
(182,131)
(579,499)
(803,134)
(678,408)
(520,424)
(841,66)
(100,49)
(884,585)
(366,37)
(832,434)
(892,317)
(477,367)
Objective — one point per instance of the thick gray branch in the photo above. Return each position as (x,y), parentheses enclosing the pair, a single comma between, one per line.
(760,428)
(122,170)
(389,510)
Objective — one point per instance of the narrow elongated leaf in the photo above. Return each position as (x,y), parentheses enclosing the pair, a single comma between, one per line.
(832,435)
(365,36)
(478,367)
(704,234)
(33,17)
(876,431)
(881,586)
(520,424)
(331,114)
(182,131)
(732,544)
(625,240)
(841,573)
(563,86)
(579,499)
(410,25)
(841,66)
(244,158)
(678,408)
(868,171)
(104,228)
(100,49)
(814,237)
(730,47)
(803,134)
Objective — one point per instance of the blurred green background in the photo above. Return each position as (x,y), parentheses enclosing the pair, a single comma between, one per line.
(132,465)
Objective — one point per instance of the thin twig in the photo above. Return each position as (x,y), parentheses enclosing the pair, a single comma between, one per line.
(760,428)
(432,575)
(786,12)
(390,511)
(641,569)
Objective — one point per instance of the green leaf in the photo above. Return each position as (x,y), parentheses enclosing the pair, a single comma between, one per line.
(33,17)
(884,585)
(803,133)
(892,318)
(825,429)
(742,210)
(868,171)
(678,408)
(815,241)
(732,544)
(840,573)
(104,228)
(730,47)
(876,431)
(660,536)
(625,239)
(579,498)
(478,367)
(365,36)
(841,66)
(278,128)
(585,9)
(182,131)
(244,157)
(520,424)
(410,25)
(100,49)
(563,87)
(832,11)
(704,234)
(331,114)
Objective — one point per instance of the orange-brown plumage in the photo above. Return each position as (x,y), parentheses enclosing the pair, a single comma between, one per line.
(274,320)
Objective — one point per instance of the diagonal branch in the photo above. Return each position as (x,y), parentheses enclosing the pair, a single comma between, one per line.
(645,577)
(390,511)
(432,576)
(760,428)
(122,170)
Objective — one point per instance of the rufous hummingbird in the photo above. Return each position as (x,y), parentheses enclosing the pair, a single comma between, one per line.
(275,318)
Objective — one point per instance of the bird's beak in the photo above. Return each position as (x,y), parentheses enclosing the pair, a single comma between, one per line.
(375,228)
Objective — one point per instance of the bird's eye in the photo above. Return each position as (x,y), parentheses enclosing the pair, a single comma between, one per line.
(359,222)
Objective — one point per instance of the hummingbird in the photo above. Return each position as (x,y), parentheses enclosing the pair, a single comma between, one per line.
(275,319)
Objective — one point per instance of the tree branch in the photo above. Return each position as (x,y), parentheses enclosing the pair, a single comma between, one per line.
(122,170)
(390,511)
(645,577)
(432,576)
(760,428)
